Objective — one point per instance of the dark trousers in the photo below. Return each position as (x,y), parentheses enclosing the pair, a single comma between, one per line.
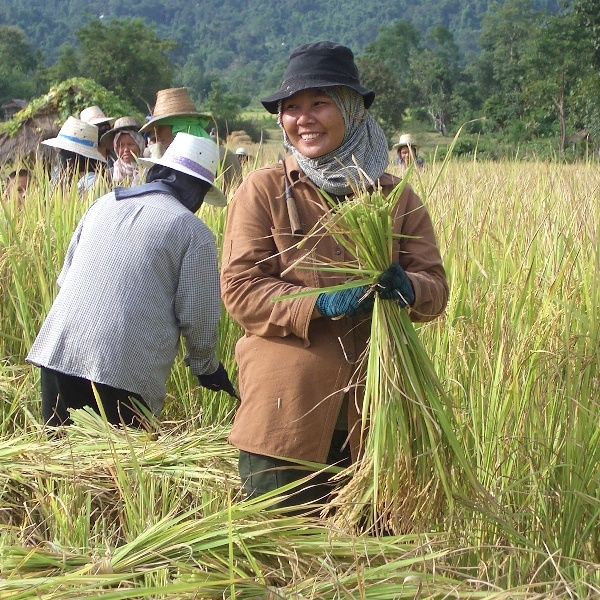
(261,474)
(61,392)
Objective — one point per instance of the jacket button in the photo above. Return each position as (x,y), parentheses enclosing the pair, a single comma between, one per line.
(338,250)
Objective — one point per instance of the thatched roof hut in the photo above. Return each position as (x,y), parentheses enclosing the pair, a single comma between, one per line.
(25,144)
(41,119)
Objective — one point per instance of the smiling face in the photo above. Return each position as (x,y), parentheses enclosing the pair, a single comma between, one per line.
(313,123)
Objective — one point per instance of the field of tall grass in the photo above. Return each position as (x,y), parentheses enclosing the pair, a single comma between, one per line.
(101,512)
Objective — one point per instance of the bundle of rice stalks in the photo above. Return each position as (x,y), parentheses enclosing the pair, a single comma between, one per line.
(411,458)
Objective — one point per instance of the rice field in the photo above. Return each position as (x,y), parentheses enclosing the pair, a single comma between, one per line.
(103,512)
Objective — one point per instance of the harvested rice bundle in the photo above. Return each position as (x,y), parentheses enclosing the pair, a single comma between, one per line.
(409,447)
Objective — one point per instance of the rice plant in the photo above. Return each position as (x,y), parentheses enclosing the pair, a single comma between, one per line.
(89,512)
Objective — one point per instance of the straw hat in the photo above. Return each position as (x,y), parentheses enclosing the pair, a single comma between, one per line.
(172,102)
(121,124)
(94,115)
(79,137)
(195,156)
(406,139)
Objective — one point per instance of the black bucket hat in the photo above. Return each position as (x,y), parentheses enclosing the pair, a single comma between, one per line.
(318,65)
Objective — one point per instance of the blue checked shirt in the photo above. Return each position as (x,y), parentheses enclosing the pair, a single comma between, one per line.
(138,273)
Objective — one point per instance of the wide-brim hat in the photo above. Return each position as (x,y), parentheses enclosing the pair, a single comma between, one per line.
(195,156)
(121,124)
(79,137)
(95,116)
(406,139)
(319,65)
(172,102)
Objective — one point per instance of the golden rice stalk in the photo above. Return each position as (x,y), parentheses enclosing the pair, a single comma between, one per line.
(411,457)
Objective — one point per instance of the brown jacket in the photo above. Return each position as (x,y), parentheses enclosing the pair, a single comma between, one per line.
(294,371)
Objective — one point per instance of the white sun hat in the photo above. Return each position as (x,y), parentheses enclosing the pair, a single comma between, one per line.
(241,151)
(406,139)
(95,116)
(195,156)
(79,137)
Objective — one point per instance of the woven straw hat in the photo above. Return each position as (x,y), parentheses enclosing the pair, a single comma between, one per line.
(406,139)
(94,115)
(121,124)
(195,156)
(172,102)
(79,137)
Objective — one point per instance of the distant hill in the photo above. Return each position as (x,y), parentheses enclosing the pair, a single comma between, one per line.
(249,40)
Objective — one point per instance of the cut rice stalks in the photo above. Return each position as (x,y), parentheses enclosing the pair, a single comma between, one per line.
(411,461)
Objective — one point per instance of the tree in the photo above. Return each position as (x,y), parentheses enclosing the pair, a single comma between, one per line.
(393,46)
(555,60)
(385,68)
(126,57)
(390,101)
(436,71)
(66,66)
(223,106)
(499,69)
(18,63)
(588,12)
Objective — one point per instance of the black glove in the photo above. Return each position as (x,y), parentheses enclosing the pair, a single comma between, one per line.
(394,284)
(218,382)
(345,303)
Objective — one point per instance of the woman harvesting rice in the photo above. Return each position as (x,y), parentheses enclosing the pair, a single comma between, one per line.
(297,358)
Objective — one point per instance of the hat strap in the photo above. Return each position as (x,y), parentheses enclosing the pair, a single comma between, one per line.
(77,140)
(193,166)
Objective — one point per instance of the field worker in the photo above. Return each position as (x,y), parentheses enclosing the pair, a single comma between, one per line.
(94,115)
(17,183)
(78,154)
(407,151)
(175,112)
(128,145)
(140,271)
(242,155)
(297,357)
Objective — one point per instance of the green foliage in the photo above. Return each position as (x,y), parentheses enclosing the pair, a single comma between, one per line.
(18,61)
(223,106)
(520,63)
(589,13)
(127,57)
(69,98)
(390,99)
(436,71)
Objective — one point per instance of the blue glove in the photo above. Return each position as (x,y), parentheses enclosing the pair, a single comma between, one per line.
(394,284)
(218,382)
(345,303)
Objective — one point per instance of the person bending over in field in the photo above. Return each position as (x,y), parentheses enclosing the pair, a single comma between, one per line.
(140,271)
